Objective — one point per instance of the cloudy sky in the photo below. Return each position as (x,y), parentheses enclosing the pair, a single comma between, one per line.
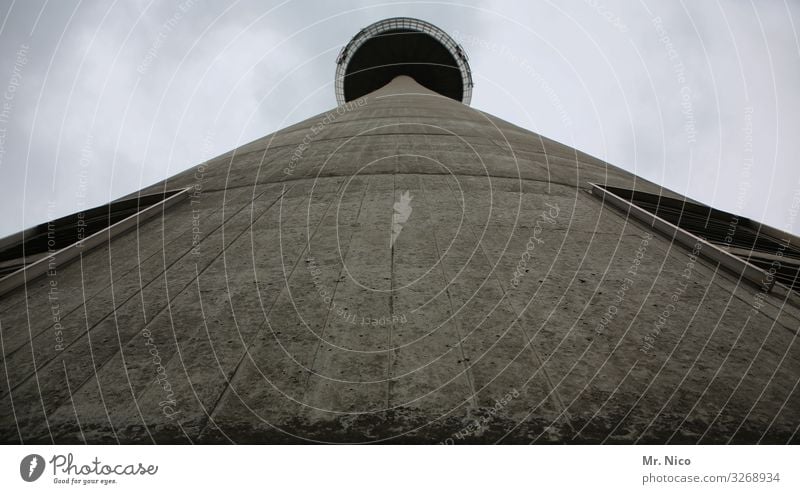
(101,98)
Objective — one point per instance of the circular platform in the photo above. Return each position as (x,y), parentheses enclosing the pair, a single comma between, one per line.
(402,46)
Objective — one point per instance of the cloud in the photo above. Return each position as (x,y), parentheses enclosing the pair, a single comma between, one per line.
(115,97)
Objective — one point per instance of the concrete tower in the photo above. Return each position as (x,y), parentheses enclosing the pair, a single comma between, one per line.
(402,268)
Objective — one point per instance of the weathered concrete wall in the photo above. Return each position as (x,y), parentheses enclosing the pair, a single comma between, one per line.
(279,310)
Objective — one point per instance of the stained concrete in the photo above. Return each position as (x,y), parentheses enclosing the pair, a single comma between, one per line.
(287,315)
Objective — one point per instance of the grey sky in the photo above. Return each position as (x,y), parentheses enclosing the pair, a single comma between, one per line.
(100,99)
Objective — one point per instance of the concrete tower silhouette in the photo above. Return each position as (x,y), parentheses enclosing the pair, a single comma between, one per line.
(401,268)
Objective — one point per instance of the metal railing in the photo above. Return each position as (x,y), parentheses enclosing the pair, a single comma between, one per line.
(406,23)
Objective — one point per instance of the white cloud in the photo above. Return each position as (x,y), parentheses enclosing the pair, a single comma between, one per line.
(596,75)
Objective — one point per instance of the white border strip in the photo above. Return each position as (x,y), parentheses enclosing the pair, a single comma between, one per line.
(404,469)
(71,252)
